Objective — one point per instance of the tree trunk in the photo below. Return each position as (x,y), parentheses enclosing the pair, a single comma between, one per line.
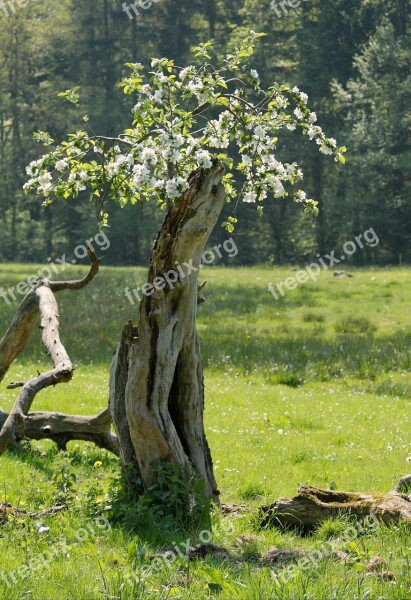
(157,389)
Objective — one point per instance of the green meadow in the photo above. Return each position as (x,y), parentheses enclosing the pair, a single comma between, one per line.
(312,388)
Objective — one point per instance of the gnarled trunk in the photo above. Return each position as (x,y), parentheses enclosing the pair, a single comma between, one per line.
(156,390)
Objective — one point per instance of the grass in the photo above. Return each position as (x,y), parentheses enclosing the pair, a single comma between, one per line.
(311,388)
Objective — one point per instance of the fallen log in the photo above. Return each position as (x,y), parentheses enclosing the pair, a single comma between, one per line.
(311,506)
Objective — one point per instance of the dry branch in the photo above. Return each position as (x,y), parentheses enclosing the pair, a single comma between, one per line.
(7,510)
(39,300)
(63,428)
(78,284)
(311,506)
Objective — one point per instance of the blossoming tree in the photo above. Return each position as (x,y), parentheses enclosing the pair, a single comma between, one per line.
(192,129)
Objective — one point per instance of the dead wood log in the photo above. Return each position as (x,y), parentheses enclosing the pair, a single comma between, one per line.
(311,506)
(40,301)
(62,428)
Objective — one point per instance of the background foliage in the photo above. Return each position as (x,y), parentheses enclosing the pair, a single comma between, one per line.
(351,56)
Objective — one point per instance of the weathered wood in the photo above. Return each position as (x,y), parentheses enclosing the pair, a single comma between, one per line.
(62,428)
(164,394)
(7,511)
(18,334)
(62,372)
(40,300)
(118,382)
(311,506)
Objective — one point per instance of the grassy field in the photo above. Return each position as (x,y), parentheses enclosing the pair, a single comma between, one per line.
(312,388)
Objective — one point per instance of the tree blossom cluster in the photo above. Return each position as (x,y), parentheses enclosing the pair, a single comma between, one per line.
(185,119)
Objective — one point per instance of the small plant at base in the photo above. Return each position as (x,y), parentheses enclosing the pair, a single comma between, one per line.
(178,497)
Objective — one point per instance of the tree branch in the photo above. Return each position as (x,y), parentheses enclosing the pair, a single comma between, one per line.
(63,428)
(39,300)
(57,286)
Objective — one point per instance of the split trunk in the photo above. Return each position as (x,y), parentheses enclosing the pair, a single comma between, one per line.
(156,383)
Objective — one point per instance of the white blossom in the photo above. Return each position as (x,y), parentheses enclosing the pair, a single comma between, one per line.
(250,197)
(33,167)
(62,165)
(299,113)
(203,159)
(149,155)
(259,132)
(175,187)
(326,150)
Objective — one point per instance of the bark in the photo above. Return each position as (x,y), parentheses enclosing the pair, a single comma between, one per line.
(157,389)
(118,383)
(311,506)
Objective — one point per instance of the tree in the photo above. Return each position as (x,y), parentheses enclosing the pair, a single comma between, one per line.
(184,124)
(375,104)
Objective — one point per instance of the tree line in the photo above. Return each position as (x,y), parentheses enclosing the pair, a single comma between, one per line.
(352,57)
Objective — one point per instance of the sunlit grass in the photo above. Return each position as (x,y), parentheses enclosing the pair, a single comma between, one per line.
(312,388)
